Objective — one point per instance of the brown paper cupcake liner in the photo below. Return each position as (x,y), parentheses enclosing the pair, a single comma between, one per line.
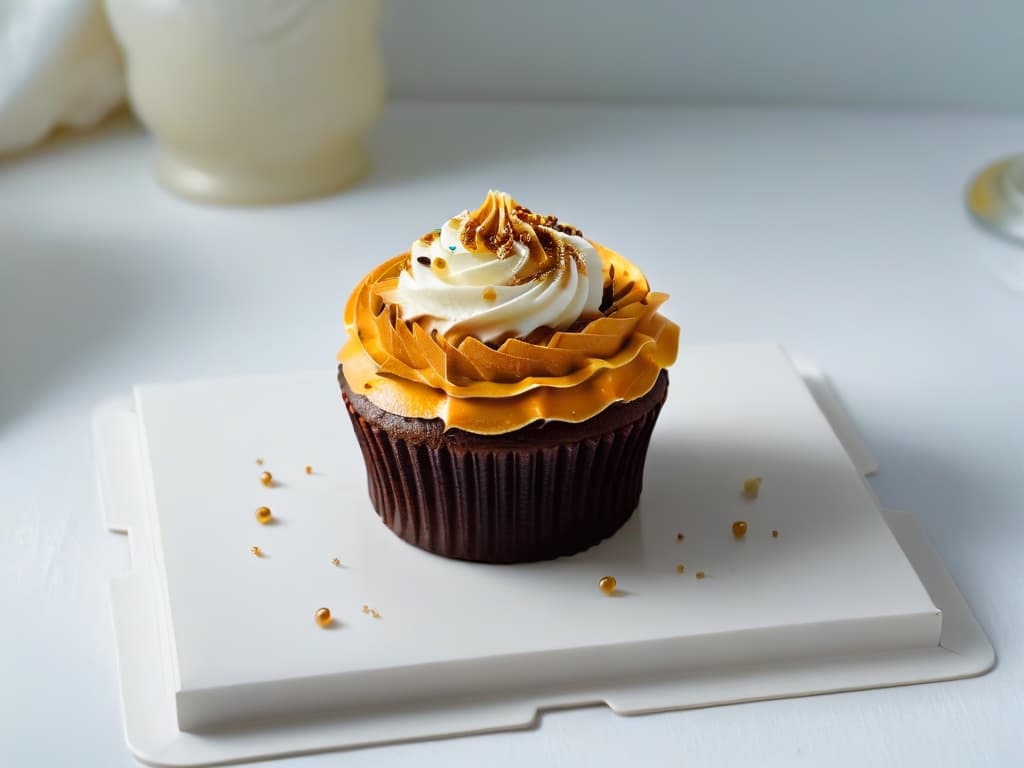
(537,493)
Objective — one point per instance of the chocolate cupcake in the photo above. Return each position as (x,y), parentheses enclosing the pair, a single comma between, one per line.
(504,378)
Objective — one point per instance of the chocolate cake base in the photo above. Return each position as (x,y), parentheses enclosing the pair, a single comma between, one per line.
(543,491)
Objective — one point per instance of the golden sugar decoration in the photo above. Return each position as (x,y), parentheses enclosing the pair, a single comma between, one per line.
(490,294)
(607,584)
(700,574)
(752,487)
(335,562)
(775,534)
(257,551)
(373,612)
(323,617)
(267,479)
(366,609)
(680,568)
(440,263)
(259,462)
(309,470)
(739,529)
(264,515)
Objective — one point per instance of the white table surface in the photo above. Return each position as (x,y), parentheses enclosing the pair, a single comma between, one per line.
(840,234)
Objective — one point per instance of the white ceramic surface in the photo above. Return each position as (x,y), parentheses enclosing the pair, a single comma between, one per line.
(253,101)
(240,646)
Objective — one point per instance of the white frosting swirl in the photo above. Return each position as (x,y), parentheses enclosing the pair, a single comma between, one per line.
(458,292)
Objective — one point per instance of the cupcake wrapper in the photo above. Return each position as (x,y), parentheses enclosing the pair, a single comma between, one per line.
(506,504)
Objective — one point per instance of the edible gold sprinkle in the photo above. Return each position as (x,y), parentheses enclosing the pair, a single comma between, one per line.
(440,263)
(700,574)
(309,470)
(739,529)
(335,562)
(366,609)
(680,568)
(323,617)
(775,534)
(259,462)
(752,487)
(490,294)
(267,479)
(257,551)
(264,515)
(373,612)
(607,584)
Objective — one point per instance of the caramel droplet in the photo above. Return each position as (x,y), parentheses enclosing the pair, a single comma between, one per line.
(257,551)
(680,568)
(490,294)
(323,617)
(775,534)
(607,584)
(335,562)
(700,574)
(739,529)
(267,479)
(752,487)
(309,470)
(264,515)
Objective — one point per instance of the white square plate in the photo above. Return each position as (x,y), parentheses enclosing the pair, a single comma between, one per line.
(832,603)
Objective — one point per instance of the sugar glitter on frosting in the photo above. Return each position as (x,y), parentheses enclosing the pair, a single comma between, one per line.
(610,347)
(498,272)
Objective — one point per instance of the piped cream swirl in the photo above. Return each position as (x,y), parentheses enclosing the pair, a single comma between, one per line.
(496,273)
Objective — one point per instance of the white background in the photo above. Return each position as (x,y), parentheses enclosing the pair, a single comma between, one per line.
(840,234)
(892,54)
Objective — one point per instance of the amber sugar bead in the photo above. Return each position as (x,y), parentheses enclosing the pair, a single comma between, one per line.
(323,617)
(264,515)
(607,584)
(739,529)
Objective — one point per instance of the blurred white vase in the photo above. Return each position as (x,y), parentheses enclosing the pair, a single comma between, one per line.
(253,101)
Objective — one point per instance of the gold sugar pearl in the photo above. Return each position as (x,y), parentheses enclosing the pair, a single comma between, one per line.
(739,529)
(700,574)
(366,609)
(607,584)
(323,617)
(775,534)
(257,551)
(309,470)
(267,479)
(373,612)
(335,562)
(752,487)
(680,568)
(490,294)
(264,515)
(259,462)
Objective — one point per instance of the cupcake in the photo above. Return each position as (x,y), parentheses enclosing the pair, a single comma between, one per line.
(503,378)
